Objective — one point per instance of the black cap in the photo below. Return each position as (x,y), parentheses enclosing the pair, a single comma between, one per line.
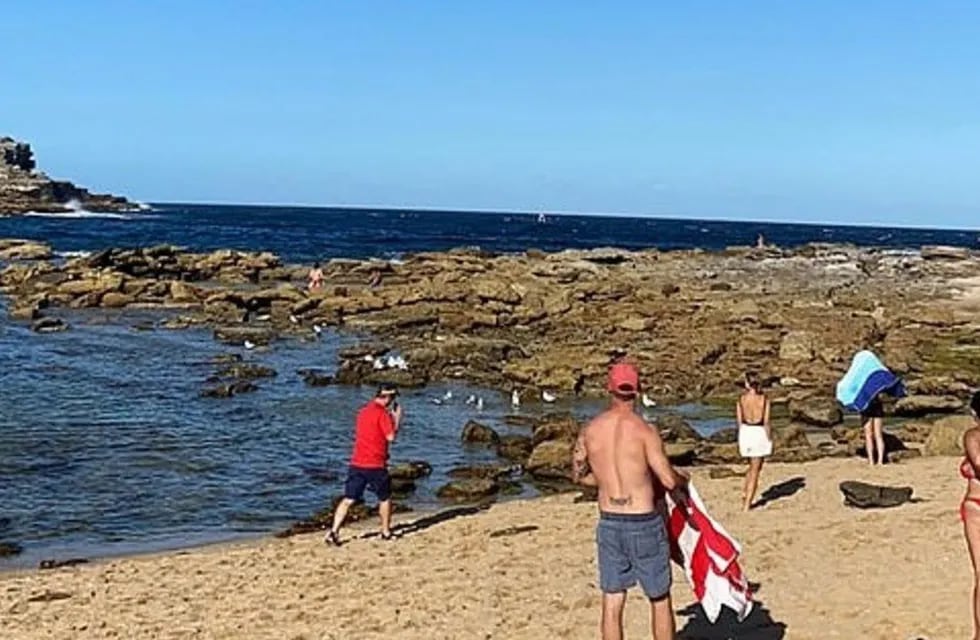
(387,389)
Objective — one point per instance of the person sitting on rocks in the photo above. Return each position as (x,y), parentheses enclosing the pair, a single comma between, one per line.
(970,507)
(315,278)
(754,434)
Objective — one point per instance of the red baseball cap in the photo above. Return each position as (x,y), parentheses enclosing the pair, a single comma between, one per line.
(623,378)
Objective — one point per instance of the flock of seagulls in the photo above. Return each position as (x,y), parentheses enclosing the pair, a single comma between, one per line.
(399,363)
(477,401)
(387,362)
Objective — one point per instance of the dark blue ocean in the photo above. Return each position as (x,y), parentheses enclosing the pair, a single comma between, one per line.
(305,234)
(107,448)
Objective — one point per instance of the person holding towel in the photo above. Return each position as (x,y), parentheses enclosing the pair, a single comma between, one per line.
(754,434)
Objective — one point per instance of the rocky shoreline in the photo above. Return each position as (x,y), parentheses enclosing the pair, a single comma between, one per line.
(24,189)
(536,322)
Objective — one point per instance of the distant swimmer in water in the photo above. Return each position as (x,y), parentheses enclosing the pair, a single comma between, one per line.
(315,278)
(760,242)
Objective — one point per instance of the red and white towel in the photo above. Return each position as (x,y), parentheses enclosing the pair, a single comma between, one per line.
(709,556)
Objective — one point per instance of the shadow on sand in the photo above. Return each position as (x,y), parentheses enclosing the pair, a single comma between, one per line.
(758,626)
(425,522)
(783,489)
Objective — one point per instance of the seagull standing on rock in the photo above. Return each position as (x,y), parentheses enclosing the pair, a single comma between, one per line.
(248,344)
(549,397)
(515,398)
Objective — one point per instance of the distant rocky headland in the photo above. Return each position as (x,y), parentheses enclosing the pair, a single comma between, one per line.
(23,188)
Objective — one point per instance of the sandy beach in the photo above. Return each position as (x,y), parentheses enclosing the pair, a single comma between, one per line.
(824,571)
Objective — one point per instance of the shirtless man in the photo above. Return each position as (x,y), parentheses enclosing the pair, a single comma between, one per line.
(623,456)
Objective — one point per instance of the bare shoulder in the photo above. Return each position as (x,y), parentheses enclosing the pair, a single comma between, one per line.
(642,428)
(971,436)
(597,421)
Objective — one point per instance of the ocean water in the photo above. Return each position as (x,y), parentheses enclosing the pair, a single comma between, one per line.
(107,448)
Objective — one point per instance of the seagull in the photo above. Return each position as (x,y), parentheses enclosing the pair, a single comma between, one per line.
(293,319)
(515,398)
(248,344)
(317,330)
(471,399)
(369,358)
(448,396)
(397,362)
(647,401)
(265,317)
(479,404)
(547,396)
(436,401)
(379,365)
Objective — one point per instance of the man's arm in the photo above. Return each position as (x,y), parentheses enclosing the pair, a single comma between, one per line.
(971,444)
(394,421)
(659,464)
(581,473)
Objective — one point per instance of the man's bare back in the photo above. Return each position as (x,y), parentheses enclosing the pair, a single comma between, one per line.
(626,460)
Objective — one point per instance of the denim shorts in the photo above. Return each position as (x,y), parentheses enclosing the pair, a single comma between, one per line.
(375,480)
(633,548)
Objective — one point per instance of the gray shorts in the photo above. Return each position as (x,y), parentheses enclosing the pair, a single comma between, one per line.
(633,548)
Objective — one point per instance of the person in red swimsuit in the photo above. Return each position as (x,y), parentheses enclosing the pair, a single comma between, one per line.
(970,508)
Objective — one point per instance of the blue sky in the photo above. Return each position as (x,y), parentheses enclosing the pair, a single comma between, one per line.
(826,111)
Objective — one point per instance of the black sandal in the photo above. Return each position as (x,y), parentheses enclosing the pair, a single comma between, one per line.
(388,536)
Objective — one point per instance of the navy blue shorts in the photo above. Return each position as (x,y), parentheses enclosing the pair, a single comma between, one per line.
(377,481)
(633,548)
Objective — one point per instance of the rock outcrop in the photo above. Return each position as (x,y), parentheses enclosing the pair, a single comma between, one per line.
(534,321)
(23,188)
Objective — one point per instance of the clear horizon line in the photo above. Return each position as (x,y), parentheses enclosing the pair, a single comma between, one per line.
(555,212)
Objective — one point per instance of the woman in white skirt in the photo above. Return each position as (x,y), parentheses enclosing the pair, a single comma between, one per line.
(754,434)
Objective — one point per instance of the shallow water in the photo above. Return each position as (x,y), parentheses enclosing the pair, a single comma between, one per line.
(106,446)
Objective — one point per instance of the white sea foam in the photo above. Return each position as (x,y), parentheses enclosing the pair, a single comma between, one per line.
(68,255)
(79,214)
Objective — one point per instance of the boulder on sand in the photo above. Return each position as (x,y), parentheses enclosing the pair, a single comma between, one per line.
(869,496)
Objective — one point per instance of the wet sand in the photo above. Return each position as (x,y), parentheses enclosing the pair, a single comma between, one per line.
(826,571)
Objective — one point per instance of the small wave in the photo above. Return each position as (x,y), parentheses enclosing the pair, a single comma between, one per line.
(68,255)
(80,214)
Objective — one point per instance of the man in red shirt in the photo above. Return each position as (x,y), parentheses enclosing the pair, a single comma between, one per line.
(376,427)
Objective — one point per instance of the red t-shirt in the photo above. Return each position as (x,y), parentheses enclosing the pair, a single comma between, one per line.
(374,426)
